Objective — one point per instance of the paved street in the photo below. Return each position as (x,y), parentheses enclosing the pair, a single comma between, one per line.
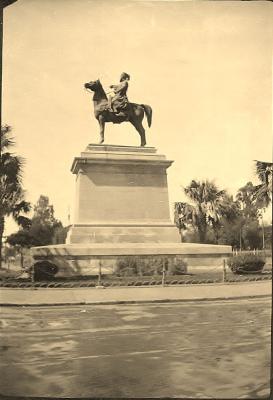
(195,349)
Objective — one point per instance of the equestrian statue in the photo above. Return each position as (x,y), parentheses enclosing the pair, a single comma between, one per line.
(117,108)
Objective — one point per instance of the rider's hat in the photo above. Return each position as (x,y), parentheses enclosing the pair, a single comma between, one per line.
(124,76)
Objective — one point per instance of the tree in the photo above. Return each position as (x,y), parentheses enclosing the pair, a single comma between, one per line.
(246,198)
(263,192)
(209,205)
(44,224)
(268,236)
(252,234)
(44,212)
(21,239)
(230,232)
(12,195)
(60,234)
(251,211)
(225,212)
(183,216)
(44,229)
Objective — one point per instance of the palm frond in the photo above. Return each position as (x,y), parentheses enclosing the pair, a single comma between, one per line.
(23,221)
(6,141)
(22,206)
(264,170)
(263,193)
(11,167)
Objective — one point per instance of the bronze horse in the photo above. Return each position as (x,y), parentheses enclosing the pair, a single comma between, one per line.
(103,114)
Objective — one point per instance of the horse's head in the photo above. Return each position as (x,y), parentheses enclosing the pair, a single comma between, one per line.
(92,85)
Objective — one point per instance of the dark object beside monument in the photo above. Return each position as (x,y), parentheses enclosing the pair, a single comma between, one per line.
(246,263)
(44,270)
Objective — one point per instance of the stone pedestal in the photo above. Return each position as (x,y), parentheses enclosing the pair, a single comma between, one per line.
(121,196)
(121,211)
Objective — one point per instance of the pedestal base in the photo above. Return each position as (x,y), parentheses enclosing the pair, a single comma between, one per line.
(79,260)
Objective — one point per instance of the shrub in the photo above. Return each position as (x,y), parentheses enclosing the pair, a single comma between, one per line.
(246,263)
(149,266)
(44,270)
(126,266)
(177,267)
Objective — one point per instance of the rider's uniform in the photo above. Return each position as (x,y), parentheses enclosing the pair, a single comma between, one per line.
(119,97)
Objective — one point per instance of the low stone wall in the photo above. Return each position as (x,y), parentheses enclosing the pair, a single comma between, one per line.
(107,257)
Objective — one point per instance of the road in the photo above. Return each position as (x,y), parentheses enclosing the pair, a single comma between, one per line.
(199,349)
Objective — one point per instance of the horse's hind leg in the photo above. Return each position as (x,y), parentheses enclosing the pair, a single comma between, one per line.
(139,127)
(141,131)
(102,125)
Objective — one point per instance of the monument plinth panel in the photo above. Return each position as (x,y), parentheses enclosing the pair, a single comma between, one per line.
(121,196)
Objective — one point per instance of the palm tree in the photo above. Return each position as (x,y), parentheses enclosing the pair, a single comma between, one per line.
(207,209)
(12,202)
(222,207)
(263,192)
(246,198)
(184,214)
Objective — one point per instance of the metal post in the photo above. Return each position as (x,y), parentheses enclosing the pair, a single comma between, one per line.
(163,273)
(263,233)
(99,276)
(32,273)
(224,271)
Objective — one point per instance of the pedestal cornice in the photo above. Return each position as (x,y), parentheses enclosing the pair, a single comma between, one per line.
(119,155)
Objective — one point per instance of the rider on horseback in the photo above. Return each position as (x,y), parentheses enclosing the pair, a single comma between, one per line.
(118,101)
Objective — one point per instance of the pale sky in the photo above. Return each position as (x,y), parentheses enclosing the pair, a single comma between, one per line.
(204,67)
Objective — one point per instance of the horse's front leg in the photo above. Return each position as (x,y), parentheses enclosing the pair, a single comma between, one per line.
(102,125)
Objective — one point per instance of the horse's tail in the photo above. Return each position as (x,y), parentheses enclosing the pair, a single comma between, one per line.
(148,112)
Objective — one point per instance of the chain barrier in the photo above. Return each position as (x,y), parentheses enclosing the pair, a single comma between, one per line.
(152,282)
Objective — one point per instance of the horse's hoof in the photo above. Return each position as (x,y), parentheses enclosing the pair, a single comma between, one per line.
(101,141)
(143,144)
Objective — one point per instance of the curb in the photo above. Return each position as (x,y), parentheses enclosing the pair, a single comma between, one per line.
(111,302)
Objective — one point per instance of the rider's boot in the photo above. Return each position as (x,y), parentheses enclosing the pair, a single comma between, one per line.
(110,107)
(109,103)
